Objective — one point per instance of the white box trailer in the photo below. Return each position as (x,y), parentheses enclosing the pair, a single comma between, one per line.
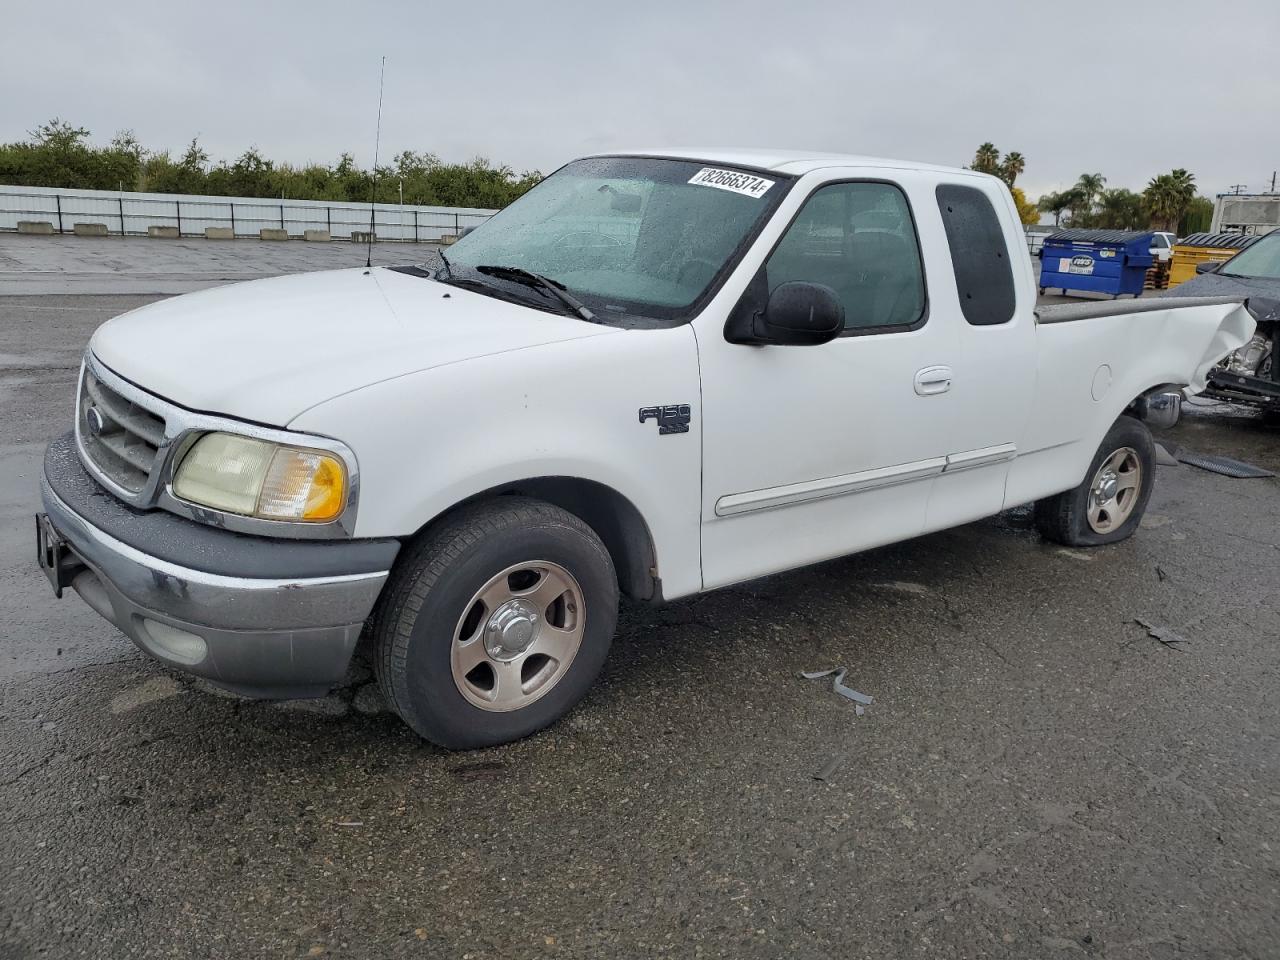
(1249,213)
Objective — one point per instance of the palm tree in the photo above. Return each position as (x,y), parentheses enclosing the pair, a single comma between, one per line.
(1185,182)
(1089,186)
(1012,167)
(1057,203)
(987,159)
(1169,195)
(1120,209)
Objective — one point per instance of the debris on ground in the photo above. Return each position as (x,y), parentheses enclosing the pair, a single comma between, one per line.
(1223,465)
(828,768)
(838,685)
(903,586)
(860,702)
(1078,555)
(1165,635)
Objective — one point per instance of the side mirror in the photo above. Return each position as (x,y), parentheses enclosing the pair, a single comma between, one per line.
(801,314)
(1209,266)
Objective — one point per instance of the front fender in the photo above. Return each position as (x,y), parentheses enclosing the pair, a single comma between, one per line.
(428,441)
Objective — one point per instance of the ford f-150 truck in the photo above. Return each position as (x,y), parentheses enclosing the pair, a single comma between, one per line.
(654,374)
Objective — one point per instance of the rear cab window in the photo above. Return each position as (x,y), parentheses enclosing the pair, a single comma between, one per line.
(979,255)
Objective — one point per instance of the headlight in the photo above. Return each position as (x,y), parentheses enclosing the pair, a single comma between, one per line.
(261,479)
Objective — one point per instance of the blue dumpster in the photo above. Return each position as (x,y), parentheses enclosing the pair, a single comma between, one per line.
(1101,261)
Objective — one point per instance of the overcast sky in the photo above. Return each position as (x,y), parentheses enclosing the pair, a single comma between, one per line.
(1128,89)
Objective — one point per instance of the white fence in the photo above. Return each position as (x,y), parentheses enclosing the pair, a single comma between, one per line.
(132,213)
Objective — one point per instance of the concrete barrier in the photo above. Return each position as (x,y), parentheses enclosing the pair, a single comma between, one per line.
(42,227)
(163,233)
(316,236)
(90,229)
(273,233)
(448,239)
(362,236)
(219,233)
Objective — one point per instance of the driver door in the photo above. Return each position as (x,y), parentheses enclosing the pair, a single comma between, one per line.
(813,452)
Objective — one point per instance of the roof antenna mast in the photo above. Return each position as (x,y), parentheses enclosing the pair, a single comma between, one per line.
(373,178)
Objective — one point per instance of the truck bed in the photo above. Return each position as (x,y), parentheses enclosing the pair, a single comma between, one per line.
(1089,310)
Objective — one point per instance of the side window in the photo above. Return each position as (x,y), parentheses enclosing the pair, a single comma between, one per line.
(984,279)
(859,240)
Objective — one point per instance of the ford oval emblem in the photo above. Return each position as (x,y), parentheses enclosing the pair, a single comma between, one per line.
(94,420)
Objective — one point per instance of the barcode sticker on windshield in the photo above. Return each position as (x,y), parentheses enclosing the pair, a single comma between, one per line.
(744,183)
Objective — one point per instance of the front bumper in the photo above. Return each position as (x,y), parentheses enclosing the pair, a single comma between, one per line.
(280,636)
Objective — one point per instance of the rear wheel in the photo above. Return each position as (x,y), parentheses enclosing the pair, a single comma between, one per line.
(496,623)
(1109,504)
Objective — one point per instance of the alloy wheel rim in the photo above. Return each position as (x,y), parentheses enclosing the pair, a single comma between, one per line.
(1114,490)
(517,636)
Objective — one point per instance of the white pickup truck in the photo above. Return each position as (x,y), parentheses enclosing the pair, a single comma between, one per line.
(655,374)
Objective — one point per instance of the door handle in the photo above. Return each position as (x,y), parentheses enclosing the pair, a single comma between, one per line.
(933,380)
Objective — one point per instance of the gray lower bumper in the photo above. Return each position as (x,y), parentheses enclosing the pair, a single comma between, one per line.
(263,637)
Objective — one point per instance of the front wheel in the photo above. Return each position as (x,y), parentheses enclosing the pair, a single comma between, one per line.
(495,623)
(1109,504)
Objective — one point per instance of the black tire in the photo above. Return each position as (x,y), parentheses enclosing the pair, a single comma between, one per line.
(1064,518)
(437,577)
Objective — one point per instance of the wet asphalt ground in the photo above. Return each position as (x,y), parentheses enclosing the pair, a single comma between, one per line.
(1037,777)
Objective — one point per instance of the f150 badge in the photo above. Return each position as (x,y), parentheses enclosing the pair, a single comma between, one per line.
(673,418)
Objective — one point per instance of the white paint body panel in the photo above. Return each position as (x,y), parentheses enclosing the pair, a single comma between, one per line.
(794,454)
(428,441)
(1143,350)
(268,349)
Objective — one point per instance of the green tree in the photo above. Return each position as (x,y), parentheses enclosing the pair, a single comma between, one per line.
(126,142)
(1087,190)
(195,157)
(1198,217)
(60,154)
(1060,202)
(1011,167)
(60,136)
(1028,212)
(1120,209)
(1169,195)
(986,159)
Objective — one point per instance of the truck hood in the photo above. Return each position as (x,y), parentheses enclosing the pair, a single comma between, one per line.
(1216,285)
(267,350)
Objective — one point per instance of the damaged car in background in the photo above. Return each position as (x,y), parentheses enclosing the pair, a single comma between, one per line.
(654,374)
(1250,375)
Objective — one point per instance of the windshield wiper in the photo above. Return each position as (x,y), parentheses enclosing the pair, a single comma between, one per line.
(529,278)
(448,270)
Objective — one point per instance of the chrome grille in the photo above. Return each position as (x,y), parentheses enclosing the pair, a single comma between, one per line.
(121,438)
